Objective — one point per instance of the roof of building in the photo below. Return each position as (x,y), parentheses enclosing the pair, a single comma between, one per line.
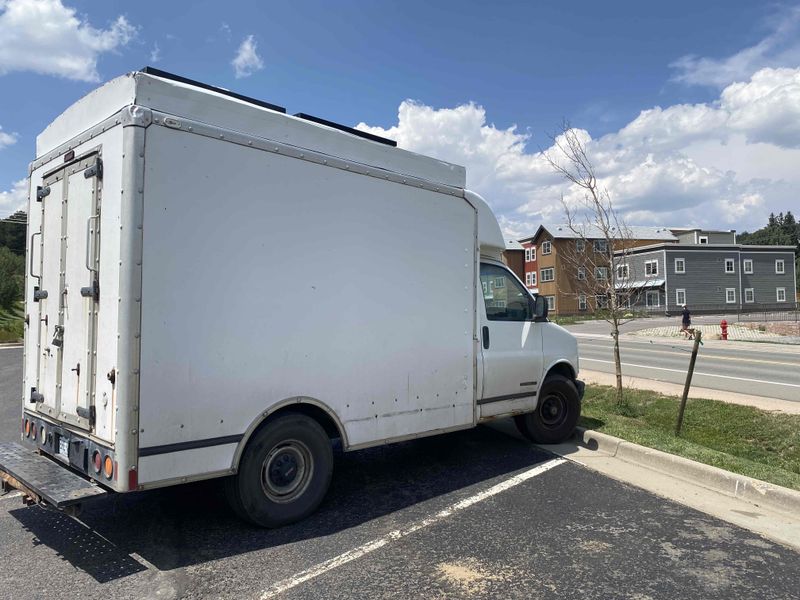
(514,245)
(705,248)
(688,229)
(592,232)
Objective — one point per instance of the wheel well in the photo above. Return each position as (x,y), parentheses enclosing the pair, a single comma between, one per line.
(318,413)
(563,369)
(310,410)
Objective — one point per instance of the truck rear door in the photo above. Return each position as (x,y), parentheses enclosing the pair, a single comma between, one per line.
(68,291)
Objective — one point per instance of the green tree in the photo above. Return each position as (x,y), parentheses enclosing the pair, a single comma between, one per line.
(12,232)
(12,272)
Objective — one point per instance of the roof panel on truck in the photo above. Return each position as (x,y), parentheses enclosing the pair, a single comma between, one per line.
(181,99)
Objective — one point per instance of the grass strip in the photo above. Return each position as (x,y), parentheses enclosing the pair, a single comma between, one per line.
(745,440)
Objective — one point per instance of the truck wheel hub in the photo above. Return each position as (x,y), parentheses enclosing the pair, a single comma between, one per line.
(286,471)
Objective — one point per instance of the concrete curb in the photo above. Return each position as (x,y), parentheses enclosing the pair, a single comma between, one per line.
(754,491)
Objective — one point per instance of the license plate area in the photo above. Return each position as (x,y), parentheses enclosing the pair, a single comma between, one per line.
(63,448)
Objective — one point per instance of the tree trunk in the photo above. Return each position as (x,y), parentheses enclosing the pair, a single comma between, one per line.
(618,365)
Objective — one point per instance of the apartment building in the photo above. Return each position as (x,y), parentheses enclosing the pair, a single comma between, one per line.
(707,276)
(562,265)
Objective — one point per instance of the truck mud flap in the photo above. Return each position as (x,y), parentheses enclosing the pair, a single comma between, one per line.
(43,479)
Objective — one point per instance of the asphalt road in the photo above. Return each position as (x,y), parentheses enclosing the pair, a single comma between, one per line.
(473,514)
(759,371)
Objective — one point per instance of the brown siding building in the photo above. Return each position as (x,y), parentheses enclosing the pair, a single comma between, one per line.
(567,264)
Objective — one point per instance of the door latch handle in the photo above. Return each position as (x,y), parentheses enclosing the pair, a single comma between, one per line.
(77,369)
(485,337)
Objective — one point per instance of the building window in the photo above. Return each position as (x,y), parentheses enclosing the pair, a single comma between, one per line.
(533,278)
(547,247)
(749,295)
(680,297)
(747,265)
(548,274)
(601,246)
(581,273)
(780,294)
(582,302)
(580,245)
(730,295)
(533,253)
(652,299)
(730,265)
(601,273)
(624,300)
(530,279)
(551,302)
(651,268)
(500,282)
(703,239)
(680,265)
(780,266)
(527,255)
(601,302)
(623,272)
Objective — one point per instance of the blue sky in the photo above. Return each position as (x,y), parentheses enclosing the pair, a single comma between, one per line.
(474,70)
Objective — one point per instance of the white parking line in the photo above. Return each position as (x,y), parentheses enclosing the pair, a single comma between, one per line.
(351,555)
(611,362)
(10,347)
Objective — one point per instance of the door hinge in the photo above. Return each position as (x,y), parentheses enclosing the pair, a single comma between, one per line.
(41,192)
(39,294)
(92,291)
(58,336)
(36,396)
(87,413)
(96,170)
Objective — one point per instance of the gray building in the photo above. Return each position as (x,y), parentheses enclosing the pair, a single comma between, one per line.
(709,276)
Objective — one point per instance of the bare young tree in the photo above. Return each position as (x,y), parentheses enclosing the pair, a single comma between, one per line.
(597,272)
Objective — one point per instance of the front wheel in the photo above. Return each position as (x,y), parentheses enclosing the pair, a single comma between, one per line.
(556,413)
(284,472)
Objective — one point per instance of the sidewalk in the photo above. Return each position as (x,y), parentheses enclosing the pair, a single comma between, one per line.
(736,332)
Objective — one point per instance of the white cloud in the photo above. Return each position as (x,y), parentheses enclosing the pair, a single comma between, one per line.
(7,139)
(725,163)
(155,53)
(780,48)
(15,199)
(247,61)
(46,37)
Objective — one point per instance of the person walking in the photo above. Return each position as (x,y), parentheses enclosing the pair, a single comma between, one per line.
(686,323)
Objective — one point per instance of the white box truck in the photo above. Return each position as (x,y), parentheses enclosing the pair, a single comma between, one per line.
(218,289)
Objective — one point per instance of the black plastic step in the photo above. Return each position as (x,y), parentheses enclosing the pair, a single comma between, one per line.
(53,483)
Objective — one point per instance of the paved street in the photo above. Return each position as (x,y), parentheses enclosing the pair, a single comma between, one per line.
(759,370)
(474,514)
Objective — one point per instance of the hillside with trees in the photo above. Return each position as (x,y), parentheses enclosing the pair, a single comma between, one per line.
(781,230)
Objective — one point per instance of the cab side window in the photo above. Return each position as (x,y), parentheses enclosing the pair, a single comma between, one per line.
(505,298)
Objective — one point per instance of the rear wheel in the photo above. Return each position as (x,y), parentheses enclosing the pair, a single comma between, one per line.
(556,413)
(284,472)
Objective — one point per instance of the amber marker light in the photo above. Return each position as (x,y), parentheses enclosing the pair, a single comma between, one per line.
(108,467)
(27,428)
(97,460)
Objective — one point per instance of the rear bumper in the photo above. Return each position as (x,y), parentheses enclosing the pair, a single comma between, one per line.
(42,479)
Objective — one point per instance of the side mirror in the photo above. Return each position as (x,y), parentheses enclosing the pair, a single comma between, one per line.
(539,308)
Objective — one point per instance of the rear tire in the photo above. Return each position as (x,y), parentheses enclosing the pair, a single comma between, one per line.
(284,472)
(556,413)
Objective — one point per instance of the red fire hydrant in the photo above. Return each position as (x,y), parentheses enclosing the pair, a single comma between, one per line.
(724,326)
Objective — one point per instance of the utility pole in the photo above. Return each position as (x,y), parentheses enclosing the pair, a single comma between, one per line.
(697,336)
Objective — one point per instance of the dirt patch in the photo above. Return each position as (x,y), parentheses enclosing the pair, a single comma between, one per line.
(788,328)
(469,576)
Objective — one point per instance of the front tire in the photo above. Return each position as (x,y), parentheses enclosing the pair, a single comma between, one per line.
(556,413)
(284,473)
